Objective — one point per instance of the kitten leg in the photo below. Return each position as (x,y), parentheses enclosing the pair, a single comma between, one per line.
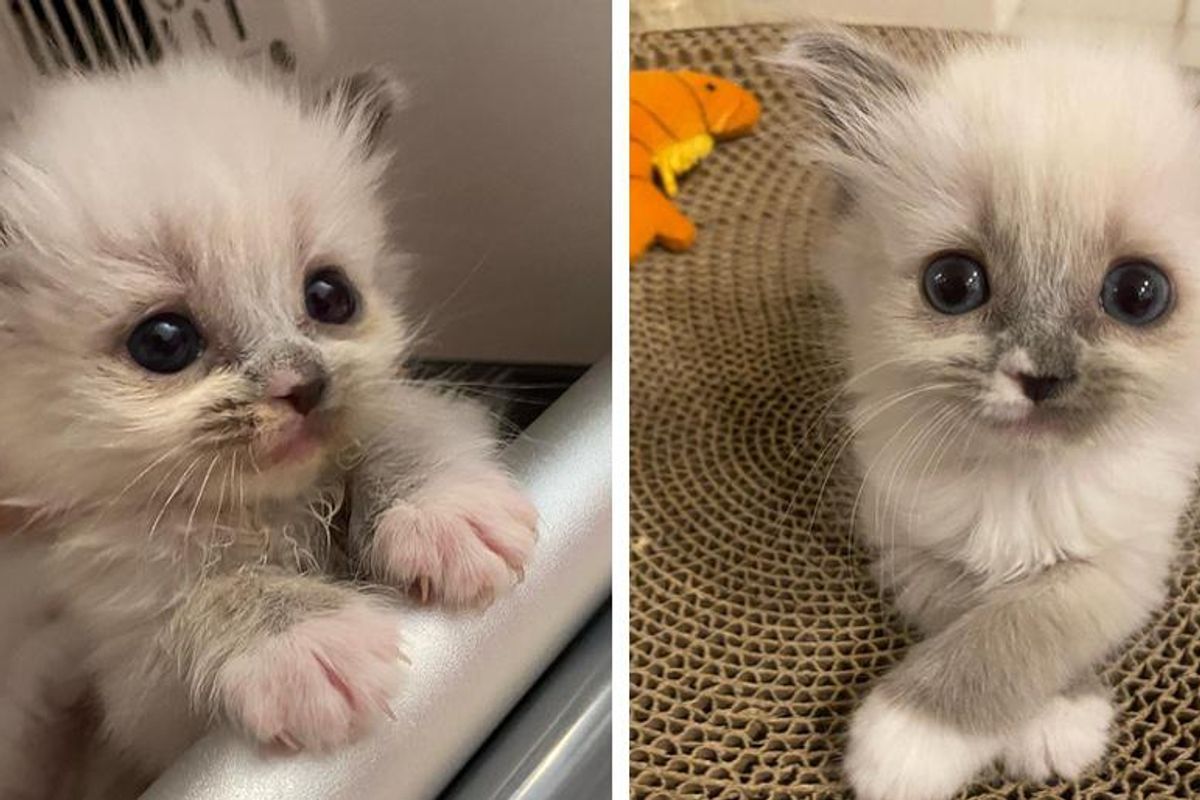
(42,718)
(434,509)
(928,591)
(961,692)
(290,659)
(1066,738)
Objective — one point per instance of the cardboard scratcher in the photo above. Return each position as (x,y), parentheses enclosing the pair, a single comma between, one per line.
(755,627)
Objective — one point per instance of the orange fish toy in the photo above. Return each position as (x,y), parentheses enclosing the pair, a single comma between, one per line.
(674,119)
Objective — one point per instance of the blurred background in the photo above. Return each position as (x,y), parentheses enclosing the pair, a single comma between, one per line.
(1174,24)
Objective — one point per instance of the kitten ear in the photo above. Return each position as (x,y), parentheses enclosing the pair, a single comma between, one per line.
(364,102)
(848,81)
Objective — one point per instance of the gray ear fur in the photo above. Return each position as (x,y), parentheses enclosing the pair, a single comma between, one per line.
(364,102)
(847,80)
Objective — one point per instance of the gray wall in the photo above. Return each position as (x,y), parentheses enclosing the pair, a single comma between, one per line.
(503,183)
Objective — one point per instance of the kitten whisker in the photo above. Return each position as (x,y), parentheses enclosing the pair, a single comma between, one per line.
(144,473)
(200,496)
(943,412)
(854,428)
(171,496)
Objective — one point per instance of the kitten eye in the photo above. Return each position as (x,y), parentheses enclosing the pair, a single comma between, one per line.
(955,284)
(1135,293)
(329,298)
(165,343)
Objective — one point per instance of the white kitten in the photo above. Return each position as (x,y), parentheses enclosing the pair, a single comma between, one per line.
(202,389)
(1016,255)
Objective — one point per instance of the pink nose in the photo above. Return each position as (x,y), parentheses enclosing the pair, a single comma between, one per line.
(302,393)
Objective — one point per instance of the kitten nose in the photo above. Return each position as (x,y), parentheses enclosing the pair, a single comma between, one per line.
(300,392)
(1042,387)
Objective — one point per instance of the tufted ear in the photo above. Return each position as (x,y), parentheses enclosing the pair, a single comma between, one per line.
(848,81)
(364,102)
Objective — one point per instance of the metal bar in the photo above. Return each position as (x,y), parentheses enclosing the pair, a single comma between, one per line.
(106,31)
(26,41)
(67,53)
(557,742)
(136,45)
(36,39)
(85,35)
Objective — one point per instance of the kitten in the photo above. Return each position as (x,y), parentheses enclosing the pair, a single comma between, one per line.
(202,360)
(1016,254)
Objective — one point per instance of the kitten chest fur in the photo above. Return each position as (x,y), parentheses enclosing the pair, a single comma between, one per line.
(1003,516)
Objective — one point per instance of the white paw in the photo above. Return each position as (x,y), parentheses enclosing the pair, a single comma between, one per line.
(461,544)
(896,753)
(320,683)
(1070,735)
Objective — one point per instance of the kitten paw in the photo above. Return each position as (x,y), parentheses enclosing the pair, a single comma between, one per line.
(1069,736)
(320,683)
(461,544)
(898,753)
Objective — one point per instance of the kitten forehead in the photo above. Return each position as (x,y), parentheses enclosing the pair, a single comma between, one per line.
(1047,122)
(188,164)
(196,179)
(1074,152)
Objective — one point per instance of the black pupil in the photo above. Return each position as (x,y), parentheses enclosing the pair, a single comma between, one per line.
(165,343)
(955,285)
(712,87)
(328,298)
(1136,291)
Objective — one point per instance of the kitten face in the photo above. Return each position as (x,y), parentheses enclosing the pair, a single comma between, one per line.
(990,204)
(183,246)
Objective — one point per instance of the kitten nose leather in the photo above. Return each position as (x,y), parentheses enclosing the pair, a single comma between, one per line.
(306,396)
(301,393)
(1041,387)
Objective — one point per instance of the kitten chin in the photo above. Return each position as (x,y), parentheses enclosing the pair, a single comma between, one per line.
(1015,254)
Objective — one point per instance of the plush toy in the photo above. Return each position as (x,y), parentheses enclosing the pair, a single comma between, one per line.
(674,118)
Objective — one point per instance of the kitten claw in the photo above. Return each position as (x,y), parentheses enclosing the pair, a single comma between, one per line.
(462,544)
(303,687)
(287,742)
(385,708)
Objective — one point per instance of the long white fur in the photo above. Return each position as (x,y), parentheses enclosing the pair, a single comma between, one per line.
(1080,146)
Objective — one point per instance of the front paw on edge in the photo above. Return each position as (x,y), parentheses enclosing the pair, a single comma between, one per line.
(900,753)
(320,683)
(462,545)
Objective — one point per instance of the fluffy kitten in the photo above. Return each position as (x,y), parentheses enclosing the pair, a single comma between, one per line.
(201,359)
(1017,256)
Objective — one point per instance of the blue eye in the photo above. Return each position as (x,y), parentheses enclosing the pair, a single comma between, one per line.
(165,343)
(955,284)
(1135,293)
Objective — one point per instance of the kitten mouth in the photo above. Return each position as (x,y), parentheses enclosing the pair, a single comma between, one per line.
(1028,422)
(297,440)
